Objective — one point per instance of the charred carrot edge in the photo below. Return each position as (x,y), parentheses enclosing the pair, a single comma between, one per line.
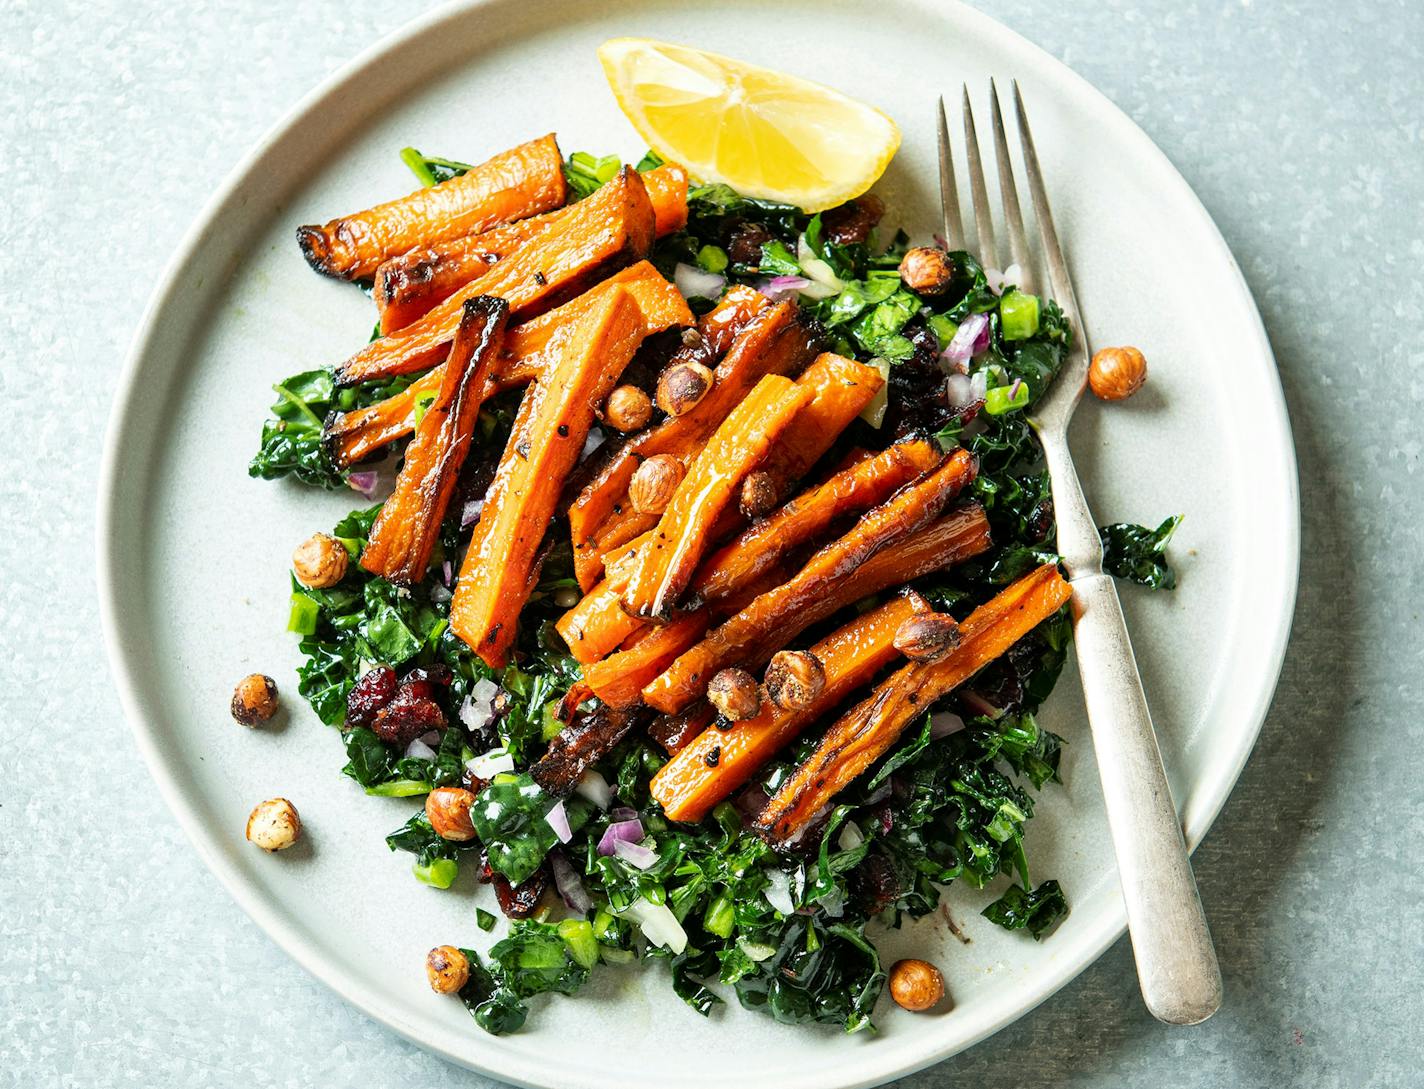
(675,732)
(861,736)
(580,745)
(610,228)
(769,341)
(687,787)
(790,607)
(526,351)
(407,286)
(522,181)
(408,525)
(495,577)
(618,680)
(666,564)
(807,516)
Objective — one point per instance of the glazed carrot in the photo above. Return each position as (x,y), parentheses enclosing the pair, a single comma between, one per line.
(688,787)
(597,625)
(771,341)
(527,349)
(675,732)
(619,679)
(548,439)
(522,181)
(407,286)
(806,517)
(607,230)
(842,388)
(408,525)
(666,564)
(861,736)
(781,613)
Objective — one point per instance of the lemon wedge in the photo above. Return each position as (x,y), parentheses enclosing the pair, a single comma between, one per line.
(764,133)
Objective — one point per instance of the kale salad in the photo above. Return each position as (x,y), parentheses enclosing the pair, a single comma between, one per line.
(623,807)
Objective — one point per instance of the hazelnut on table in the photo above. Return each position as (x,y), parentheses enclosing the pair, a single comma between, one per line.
(654,483)
(320,561)
(1115,374)
(916,985)
(735,694)
(794,678)
(274,825)
(682,386)
(447,968)
(628,409)
(254,701)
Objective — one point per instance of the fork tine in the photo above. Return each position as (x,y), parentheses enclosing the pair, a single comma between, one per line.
(1009,194)
(1058,278)
(983,223)
(948,191)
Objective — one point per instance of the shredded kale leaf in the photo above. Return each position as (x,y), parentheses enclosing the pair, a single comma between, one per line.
(1139,554)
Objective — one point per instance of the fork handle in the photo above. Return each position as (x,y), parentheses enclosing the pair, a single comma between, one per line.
(1176,964)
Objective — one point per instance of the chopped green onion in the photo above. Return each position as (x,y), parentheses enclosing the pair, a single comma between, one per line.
(1002,399)
(439,873)
(578,936)
(484,920)
(422,404)
(1018,315)
(720,917)
(302,619)
(418,166)
(943,329)
(712,258)
(551,725)
(400,788)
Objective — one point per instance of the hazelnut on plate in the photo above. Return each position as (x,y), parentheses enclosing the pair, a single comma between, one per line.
(320,561)
(448,809)
(916,985)
(447,968)
(254,701)
(758,497)
(653,485)
(794,678)
(628,409)
(735,694)
(1115,374)
(926,270)
(274,825)
(682,386)
(927,637)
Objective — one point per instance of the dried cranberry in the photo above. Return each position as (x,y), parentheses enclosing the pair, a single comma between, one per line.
(875,884)
(522,900)
(853,221)
(375,689)
(1040,520)
(407,717)
(744,247)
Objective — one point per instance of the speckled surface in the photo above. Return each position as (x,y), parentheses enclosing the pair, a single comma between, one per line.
(122,963)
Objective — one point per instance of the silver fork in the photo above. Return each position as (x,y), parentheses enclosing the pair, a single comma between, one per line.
(1176,964)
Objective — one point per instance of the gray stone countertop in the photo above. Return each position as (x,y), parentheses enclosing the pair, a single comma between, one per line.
(124,964)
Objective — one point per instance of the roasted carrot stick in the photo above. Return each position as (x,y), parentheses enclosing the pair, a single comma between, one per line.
(522,181)
(666,564)
(499,564)
(619,679)
(408,525)
(780,614)
(842,388)
(689,785)
(861,736)
(527,349)
(773,341)
(407,286)
(607,230)
(807,516)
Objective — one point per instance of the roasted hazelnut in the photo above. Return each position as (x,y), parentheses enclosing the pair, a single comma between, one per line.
(448,809)
(320,561)
(794,678)
(1117,373)
(758,498)
(447,968)
(274,825)
(735,694)
(628,409)
(653,485)
(926,269)
(926,637)
(916,985)
(682,386)
(254,700)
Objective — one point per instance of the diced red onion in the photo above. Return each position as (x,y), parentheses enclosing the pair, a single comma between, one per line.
(594,787)
(447,573)
(364,482)
(568,882)
(477,711)
(979,385)
(645,858)
(658,924)
(941,242)
(806,829)
(630,831)
(692,282)
(623,813)
(978,704)
(781,287)
(558,819)
(944,723)
(1014,389)
(959,390)
(971,338)
(778,891)
(851,837)
(419,749)
(471,513)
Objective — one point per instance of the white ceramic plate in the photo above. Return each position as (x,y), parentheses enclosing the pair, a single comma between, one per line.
(194,554)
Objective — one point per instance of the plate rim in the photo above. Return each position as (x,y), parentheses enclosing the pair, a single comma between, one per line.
(1110,923)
